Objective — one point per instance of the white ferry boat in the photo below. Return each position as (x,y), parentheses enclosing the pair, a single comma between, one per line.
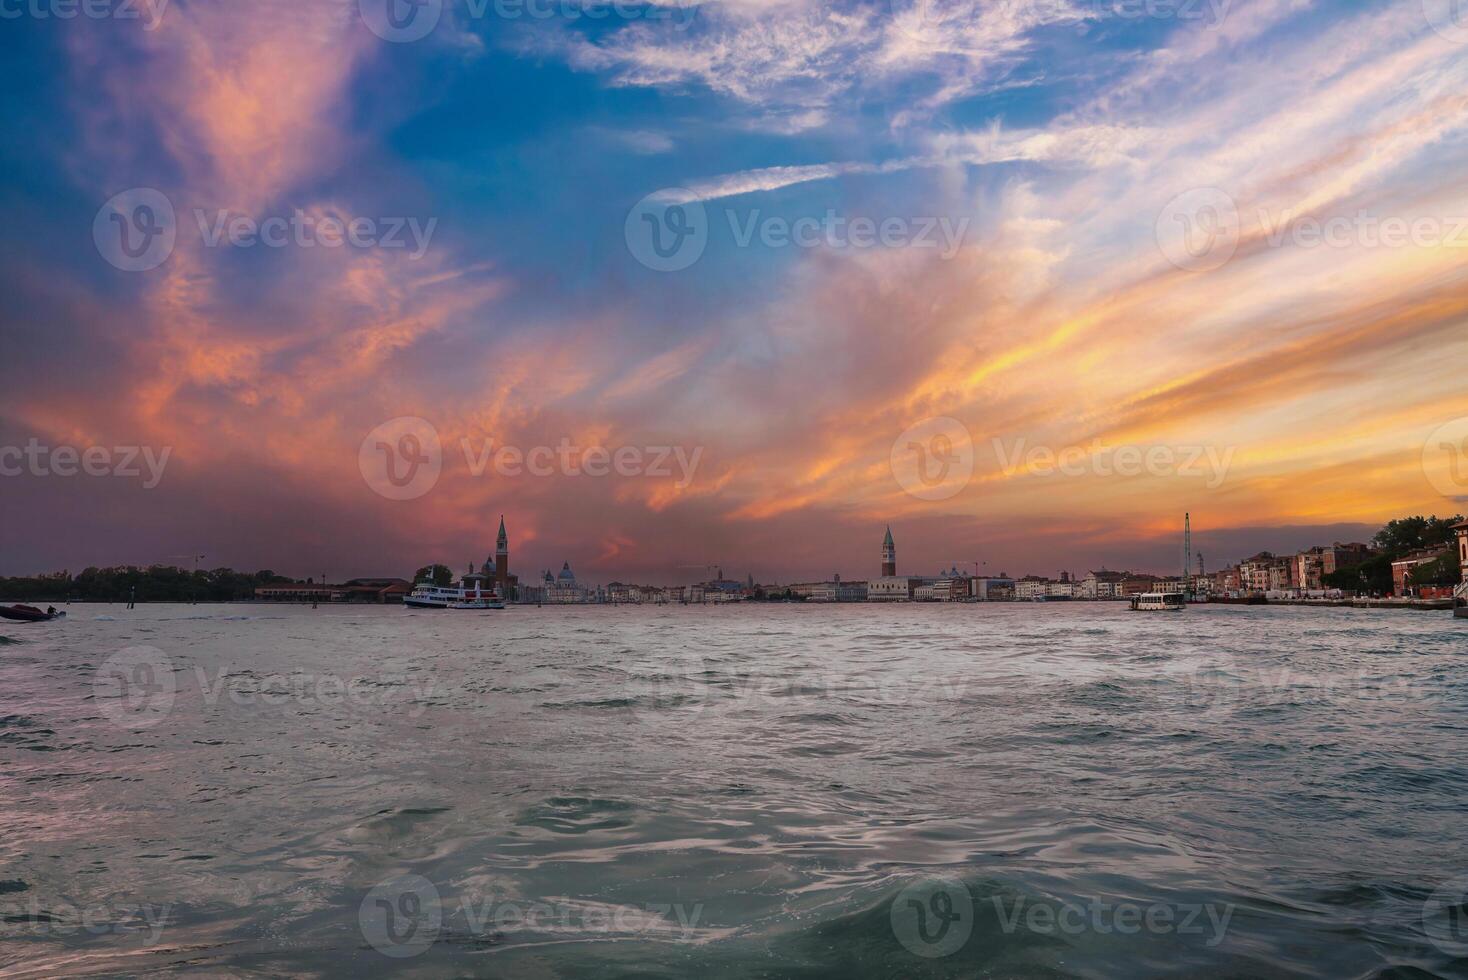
(478,600)
(1159,602)
(426,596)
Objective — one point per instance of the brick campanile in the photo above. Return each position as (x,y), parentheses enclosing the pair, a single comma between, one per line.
(502,559)
(889,555)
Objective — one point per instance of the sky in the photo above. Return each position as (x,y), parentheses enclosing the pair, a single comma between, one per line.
(328,286)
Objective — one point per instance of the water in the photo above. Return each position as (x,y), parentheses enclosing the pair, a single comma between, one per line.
(1059,790)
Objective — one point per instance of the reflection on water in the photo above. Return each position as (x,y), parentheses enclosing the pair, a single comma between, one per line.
(1007,790)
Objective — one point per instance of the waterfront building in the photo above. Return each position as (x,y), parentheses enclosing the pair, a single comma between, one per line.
(820,591)
(380,590)
(932,590)
(620,592)
(837,591)
(892,588)
(562,589)
(1031,587)
(950,587)
(992,589)
(1138,583)
(726,586)
(1226,580)
(1066,588)
(1103,585)
(1310,569)
(1462,532)
(300,592)
(1339,556)
(1282,576)
(1402,569)
(376,589)
(1265,572)
(947,586)
(805,590)
(1313,565)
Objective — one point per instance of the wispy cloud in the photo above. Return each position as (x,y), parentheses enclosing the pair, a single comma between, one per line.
(795,65)
(1091,146)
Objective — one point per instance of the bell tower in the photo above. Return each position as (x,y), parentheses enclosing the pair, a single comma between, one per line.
(502,559)
(889,555)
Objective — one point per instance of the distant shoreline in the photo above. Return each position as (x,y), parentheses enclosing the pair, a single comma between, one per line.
(1416,605)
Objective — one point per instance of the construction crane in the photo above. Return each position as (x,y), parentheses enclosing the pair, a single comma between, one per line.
(196,559)
(1187,584)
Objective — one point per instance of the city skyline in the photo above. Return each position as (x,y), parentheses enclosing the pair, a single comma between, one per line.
(497,568)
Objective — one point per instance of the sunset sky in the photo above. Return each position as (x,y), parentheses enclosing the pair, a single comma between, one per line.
(1067,148)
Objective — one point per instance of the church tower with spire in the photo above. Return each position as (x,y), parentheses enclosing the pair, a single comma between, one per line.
(502,560)
(889,555)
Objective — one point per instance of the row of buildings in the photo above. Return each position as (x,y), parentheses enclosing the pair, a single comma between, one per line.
(1302,574)
(1307,572)
(955,586)
(352,590)
(563,589)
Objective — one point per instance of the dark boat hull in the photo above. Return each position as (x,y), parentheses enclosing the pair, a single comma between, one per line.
(28,614)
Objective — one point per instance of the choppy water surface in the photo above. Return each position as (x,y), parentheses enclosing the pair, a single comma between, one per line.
(995,790)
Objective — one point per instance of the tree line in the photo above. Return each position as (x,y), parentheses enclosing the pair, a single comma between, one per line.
(155,583)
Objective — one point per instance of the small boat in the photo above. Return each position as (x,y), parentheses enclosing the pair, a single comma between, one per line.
(30,614)
(1159,602)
